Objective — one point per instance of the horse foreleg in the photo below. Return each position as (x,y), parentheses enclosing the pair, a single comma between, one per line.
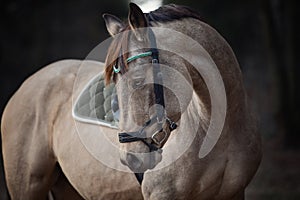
(28,180)
(29,167)
(62,189)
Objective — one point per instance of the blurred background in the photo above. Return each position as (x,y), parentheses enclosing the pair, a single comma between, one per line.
(262,33)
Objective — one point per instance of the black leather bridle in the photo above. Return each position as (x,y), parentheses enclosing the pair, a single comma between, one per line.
(160,126)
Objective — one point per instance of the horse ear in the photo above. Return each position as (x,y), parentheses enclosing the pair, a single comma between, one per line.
(137,21)
(113,24)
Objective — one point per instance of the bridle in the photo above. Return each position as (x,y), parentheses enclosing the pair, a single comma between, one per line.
(163,125)
(160,133)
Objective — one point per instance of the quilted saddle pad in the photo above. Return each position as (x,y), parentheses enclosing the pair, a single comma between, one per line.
(97,104)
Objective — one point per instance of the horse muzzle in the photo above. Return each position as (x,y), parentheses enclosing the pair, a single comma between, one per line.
(140,162)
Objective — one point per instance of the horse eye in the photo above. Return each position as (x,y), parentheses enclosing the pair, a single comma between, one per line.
(137,83)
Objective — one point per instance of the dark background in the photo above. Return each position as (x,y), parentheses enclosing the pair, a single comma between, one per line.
(263,34)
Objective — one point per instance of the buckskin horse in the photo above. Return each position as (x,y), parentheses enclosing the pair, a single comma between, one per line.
(166,109)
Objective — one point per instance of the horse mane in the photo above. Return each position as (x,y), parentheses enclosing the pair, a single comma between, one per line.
(172,12)
(166,13)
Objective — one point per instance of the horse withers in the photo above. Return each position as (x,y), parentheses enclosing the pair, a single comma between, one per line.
(171,72)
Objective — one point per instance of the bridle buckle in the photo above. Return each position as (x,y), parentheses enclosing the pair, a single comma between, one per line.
(155,140)
(154,61)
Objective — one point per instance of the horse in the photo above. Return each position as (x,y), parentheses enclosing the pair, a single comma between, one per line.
(169,138)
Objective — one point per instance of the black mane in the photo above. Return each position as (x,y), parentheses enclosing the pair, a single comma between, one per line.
(172,12)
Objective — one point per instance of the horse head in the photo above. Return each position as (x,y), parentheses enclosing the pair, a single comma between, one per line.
(146,80)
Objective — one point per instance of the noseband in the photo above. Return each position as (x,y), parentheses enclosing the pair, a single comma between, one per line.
(160,126)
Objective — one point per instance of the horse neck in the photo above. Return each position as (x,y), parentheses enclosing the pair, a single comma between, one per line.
(198,113)
(201,90)
(224,58)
